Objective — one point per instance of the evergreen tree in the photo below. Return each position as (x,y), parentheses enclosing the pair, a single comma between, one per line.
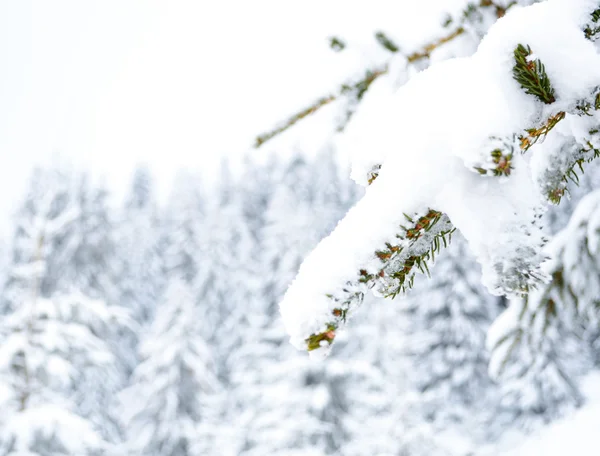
(174,387)
(445,321)
(48,345)
(139,243)
(140,269)
(50,237)
(222,284)
(48,207)
(287,404)
(92,270)
(183,229)
(539,344)
(48,342)
(92,266)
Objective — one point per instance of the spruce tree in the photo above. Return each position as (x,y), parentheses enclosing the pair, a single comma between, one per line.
(140,268)
(287,404)
(542,344)
(174,387)
(49,341)
(139,241)
(445,321)
(225,248)
(183,231)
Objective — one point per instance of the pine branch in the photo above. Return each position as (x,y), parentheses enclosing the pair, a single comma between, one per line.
(513,265)
(499,9)
(260,140)
(524,348)
(568,168)
(531,74)
(417,245)
(545,308)
(386,42)
(592,29)
(537,133)
(361,86)
(337,44)
(372,175)
(428,49)
(500,163)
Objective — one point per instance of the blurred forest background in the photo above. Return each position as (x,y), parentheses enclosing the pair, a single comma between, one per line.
(155,331)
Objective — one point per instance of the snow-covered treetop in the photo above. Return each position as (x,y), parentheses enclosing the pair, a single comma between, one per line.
(461,144)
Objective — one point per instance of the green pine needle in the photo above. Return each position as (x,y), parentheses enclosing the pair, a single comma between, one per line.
(386,42)
(593,28)
(531,75)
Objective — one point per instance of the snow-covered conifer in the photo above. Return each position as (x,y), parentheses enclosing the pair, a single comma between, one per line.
(47,344)
(183,229)
(139,243)
(174,387)
(285,402)
(538,344)
(445,322)
(225,249)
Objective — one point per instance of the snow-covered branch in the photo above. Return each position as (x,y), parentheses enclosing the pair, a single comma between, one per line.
(428,146)
(360,85)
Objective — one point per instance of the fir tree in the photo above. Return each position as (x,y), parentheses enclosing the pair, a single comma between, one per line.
(302,411)
(445,323)
(140,266)
(139,242)
(222,284)
(539,344)
(47,345)
(173,388)
(183,229)
(48,207)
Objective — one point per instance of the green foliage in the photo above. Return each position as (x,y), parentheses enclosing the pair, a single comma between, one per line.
(418,243)
(531,74)
(593,28)
(326,337)
(261,139)
(502,164)
(586,154)
(337,44)
(534,134)
(386,42)
(360,87)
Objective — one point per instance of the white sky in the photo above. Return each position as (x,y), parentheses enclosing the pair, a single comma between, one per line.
(172,83)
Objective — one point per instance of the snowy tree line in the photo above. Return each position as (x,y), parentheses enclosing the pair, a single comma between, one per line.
(145,330)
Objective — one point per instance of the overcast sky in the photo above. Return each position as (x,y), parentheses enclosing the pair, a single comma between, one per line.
(172,83)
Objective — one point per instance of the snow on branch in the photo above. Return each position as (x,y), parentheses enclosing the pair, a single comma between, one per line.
(415,245)
(428,146)
(361,85)
(534,336)
(530,73)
